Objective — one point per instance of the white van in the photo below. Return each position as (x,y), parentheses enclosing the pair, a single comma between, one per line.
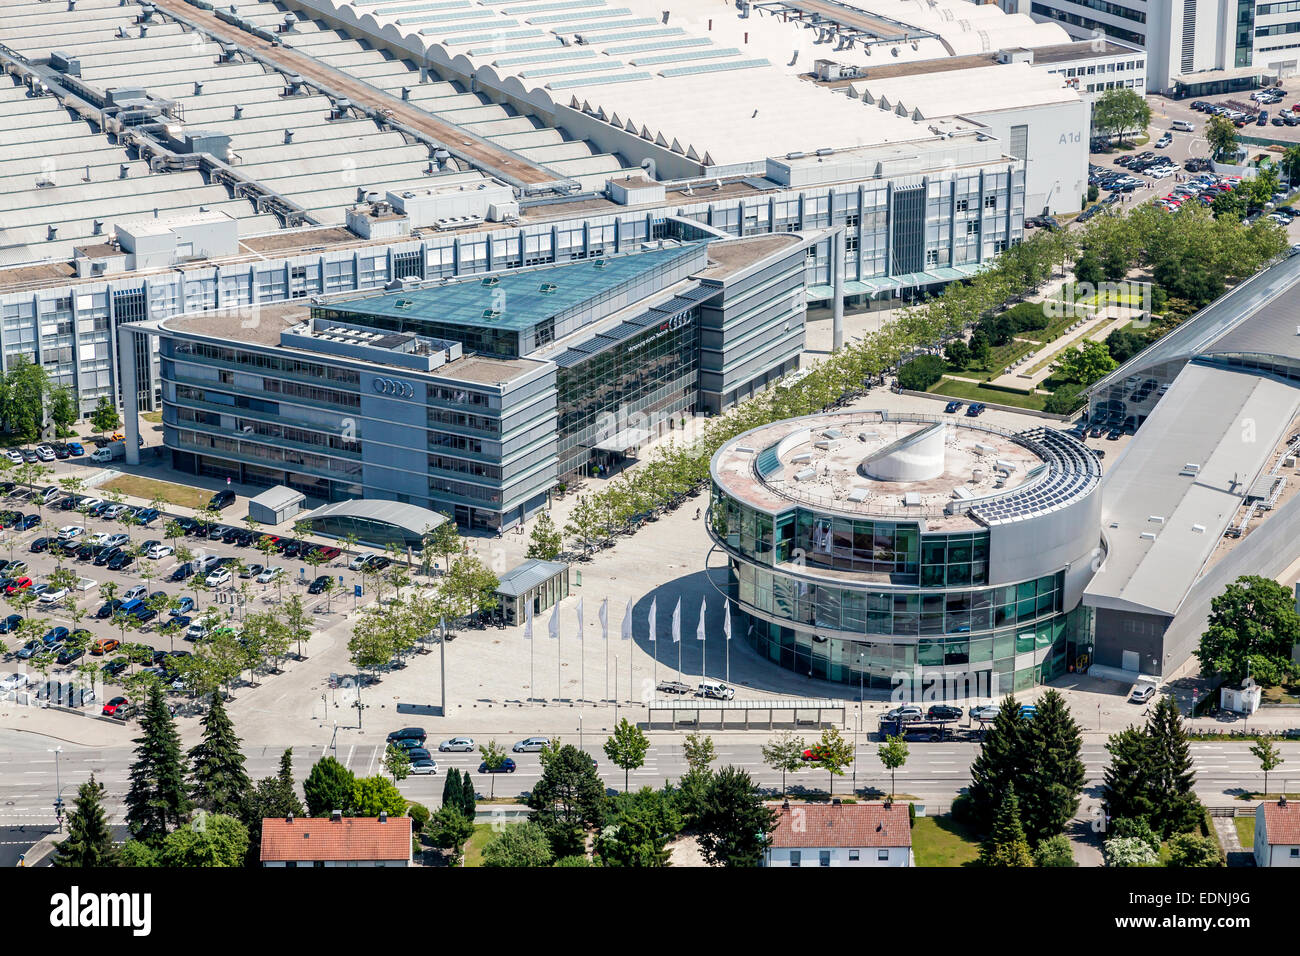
(1183,126)
(715,689)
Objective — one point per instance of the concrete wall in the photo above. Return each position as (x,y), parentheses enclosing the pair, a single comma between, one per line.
(840,856)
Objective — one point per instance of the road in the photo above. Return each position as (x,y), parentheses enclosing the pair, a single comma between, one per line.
(934,772)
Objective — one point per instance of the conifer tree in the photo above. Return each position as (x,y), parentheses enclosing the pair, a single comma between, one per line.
(1177,808)
(1054,781)
(1126,781)
(1006,845)
(451,789)
(218,781)
(1000,760)
(468,798)
(90,841)
(157,800)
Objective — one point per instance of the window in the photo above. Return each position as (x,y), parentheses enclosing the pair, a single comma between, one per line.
(991,202)
(854,856)
(882,855)
(1295,852)
(823,857)
(961,205)
(796,858)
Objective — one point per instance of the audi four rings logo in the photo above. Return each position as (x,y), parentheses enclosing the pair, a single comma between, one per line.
(386,386)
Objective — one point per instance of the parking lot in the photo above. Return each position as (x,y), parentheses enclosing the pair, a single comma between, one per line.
(45,546)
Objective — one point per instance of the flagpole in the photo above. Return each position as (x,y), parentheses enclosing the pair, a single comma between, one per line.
(559,679)
(604,629)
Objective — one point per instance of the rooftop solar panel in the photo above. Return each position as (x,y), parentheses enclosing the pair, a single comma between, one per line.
(686,56)
(597,81)
(591,28)
(592,67)
(713,67)
(657,45)
(567,53)
(583,15)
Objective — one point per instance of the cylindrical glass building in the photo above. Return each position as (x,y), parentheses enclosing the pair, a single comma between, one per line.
(873,547)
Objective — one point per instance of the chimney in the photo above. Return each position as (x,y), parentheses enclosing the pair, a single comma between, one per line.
(198,88)
(123,171)
(239,111)
(835,802)
(406,93)
(1281,801)
(289,818)
(383,816)
(288,136)
(336,816)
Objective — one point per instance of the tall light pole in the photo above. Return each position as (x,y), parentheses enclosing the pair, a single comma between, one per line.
(58,788)
(579,730)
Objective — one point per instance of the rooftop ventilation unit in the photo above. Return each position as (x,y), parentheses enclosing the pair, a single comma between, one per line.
(1191,468)
(1198,528)
(802,456)
(51,233)
(288,23)
(911,499)
(1148,535)
(1156,519)
(491,315)
(859,495)
(805,474)
(490,281)
(239,111)
(288,136)
(745,448)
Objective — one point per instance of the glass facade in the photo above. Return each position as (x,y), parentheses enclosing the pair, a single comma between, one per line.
(931,607)
(654,372)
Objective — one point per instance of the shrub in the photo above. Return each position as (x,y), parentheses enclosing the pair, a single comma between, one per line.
(911,815)
(419,815)
(920,373)
(1064,400)
(961,808)
(1093,193)
(1054,851)
(1190,850)
(573,861)
(1129,851)
(1131,828)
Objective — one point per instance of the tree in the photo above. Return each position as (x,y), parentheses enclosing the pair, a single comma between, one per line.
(1120,111)
(1177,808)
(218,782)
(544,541)
(699,751)
(24,390)
(785,754)
(1064,400)
(893,754)
(958,354)
(626,748)
(518,845)
(1221,135)
(90,840)
(1193,850)
(136,853)
(397,764)
(921,372)
(328,787)
(1126,781)
(637,829)
(449,829)
(734,825)
(833,754)
(999,762)
(1056,777)
(1231,205)
(1088,269)
(157,799)
(470,586)
(1134,828)
(444,541)
(1007,845)
(1129,851)
(372,796)
(468,797)
(494,758)
(451,788)
(104,418)
(1269,757)
(63,410)
(568,798)
(210,840)
(1084,364)
(1054,851)
(272,797)
(1251,629)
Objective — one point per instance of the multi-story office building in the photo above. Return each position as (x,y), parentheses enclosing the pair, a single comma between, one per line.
(474,397)
(873,548)
(1192,47)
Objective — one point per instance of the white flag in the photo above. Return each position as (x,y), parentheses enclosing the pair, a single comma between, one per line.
(627,621)
(653,603)
(554,626)
(603,614)
(699,629)
(528,621)
(579,618)
(726,620)
(677,622)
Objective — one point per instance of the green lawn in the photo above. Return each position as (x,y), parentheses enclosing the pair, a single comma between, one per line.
(1245,831)
(940,841)
(1281,694)
(149,489)
(969,391)
(474,848)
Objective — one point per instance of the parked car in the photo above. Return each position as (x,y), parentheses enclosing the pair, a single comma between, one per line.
(222,499)
(457,745)
(53,595)
(108,609)
(952,407)
(115,707)
(27,522)
(159,551)
(251,570)
(269,575)
(320,584)
(115,667)
(531,745)
(507,766)
(146,516)
(104,646)
(943,712)
(11,623)
(408,733)
(39,546)
(70,531)
(1142,693)
(183,606)
(15,681)
(18,584)
(70,655)
(424,767)
(908,713)
(123,559)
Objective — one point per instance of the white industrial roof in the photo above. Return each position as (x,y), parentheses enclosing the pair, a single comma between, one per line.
(963,92)
(1198,422)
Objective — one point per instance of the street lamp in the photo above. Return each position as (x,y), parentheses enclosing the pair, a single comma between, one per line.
(58,788)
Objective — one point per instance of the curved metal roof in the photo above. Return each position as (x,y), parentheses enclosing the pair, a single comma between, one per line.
(410,517)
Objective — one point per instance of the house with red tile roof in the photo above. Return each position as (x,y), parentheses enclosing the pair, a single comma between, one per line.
(1277,833)
(841,834)
(336,840)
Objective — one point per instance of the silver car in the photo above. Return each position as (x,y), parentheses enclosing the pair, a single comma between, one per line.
(531,745)
(457,744)
(424,766)
(1142,693)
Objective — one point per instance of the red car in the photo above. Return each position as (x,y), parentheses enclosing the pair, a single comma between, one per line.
(329,554)
(115,707)
(813,753)
(17,585)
